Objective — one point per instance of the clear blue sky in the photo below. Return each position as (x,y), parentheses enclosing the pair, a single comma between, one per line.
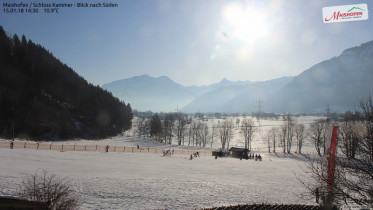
(194,42)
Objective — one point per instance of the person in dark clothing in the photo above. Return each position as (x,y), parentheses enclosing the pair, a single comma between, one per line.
(107,148)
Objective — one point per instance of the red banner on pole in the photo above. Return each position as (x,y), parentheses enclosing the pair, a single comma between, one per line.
(332,149)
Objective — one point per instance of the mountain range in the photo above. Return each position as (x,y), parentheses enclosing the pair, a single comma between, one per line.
(339,82)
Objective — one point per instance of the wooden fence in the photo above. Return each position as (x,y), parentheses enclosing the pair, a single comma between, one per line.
(99,148)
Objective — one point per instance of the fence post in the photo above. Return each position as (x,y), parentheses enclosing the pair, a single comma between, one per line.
(85,147)
(37,145)
(96,147)
(62,148)
(24,147)
(74,147)
(50,147)
(124,148)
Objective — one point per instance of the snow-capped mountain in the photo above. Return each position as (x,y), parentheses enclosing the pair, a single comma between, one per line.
(339,82)
(161,94)
(239,97)
(148,93)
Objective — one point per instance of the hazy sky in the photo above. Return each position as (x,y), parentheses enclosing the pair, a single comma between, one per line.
(194,42)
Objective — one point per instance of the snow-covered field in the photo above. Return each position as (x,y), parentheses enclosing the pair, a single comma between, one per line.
(149,181)
(125,180)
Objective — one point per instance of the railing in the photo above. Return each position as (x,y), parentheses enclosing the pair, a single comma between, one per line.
(99,148)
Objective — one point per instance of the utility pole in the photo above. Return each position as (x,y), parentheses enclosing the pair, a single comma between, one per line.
(260,107)
(327,112)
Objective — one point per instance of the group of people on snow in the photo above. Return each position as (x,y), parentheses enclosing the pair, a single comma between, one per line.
(196,154)
(251,156)
(168,152)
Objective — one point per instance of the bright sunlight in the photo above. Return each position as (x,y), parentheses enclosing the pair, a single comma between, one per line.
(245,23)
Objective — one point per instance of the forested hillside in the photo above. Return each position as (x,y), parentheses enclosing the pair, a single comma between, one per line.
(42,98)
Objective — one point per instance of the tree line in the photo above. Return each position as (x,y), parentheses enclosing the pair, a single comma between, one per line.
(182,129)
(289,137)
(43,98)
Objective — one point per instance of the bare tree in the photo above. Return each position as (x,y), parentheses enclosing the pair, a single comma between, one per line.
(300,136)
(156,127)
(287,133)
(237,122)
(194,132)
(230,131)
(348,139)
(142,126)
(198,131)
(290,133)
(46,187)
(366,135)
(269,141)
(283,134)
(352,182)
(248,129)
(272,135)
(203,133)
(225,132)
(213,133)
(317,133)
(353,177)
(189,133)
(180,128)
(168,127)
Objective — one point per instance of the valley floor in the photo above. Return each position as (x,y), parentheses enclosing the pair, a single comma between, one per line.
(152,181)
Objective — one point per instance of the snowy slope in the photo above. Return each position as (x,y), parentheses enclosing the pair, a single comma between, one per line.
(341,82)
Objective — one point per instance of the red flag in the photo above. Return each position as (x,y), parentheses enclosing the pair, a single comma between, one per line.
(332,149)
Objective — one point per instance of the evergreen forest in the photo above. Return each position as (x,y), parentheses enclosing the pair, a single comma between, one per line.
(42,98)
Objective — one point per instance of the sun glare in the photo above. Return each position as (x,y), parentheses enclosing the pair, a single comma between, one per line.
(245,23)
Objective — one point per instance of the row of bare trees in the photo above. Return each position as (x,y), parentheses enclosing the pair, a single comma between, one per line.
(185,130)
(285,135)
(194,131)
(291,132)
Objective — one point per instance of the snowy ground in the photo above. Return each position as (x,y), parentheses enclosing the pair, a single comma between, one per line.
(149,181)
(125,180)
